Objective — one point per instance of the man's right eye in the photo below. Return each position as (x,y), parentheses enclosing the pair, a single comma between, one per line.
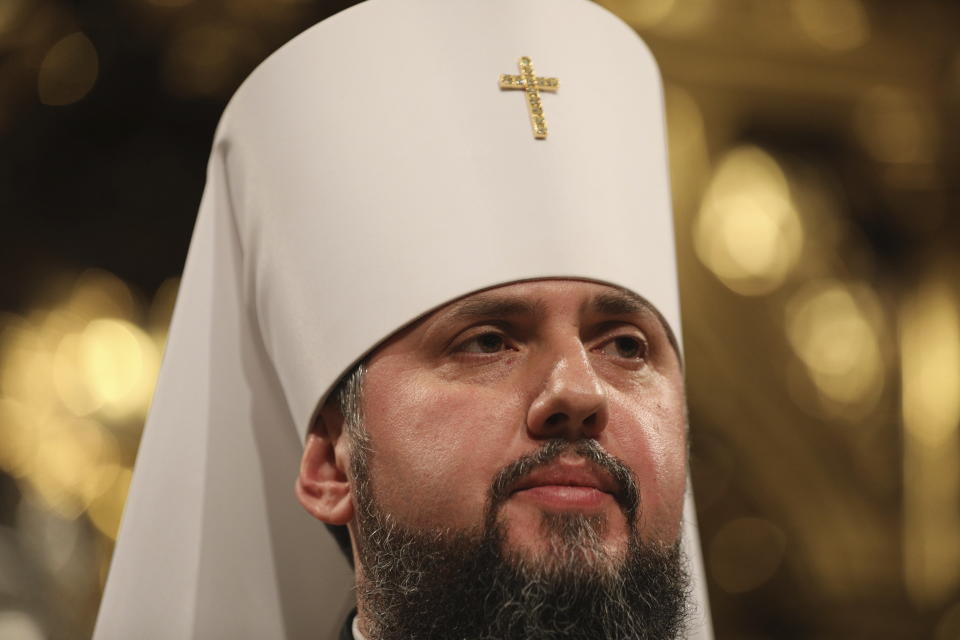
(484,343)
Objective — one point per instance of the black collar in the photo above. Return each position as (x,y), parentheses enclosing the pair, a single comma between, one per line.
(346,633)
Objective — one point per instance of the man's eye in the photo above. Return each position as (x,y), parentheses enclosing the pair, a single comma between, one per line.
(484,343)
(627,347)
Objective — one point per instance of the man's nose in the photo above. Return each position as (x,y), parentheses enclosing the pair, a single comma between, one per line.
(572,403)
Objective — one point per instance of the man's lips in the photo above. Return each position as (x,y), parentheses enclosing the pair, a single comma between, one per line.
(567,484)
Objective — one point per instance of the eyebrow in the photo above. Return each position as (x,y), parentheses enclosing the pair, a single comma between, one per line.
(623,302)
(488,307)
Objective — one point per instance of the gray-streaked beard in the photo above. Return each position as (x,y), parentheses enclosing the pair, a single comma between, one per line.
(464,585)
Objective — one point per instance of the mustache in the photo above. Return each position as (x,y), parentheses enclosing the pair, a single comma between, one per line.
(627,495)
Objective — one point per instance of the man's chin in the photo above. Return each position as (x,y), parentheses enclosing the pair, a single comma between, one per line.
(565,538)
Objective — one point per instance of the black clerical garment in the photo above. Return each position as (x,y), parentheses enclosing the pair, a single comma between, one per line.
(346,632)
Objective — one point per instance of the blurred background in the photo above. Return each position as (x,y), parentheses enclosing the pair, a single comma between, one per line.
(815,151)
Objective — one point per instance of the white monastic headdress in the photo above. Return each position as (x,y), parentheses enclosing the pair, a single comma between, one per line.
(372,169)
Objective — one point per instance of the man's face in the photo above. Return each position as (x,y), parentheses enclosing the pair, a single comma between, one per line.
(466,392)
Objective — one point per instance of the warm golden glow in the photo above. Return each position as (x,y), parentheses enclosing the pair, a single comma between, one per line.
(748,231)
(204,58)
(20,625)
(642,15)
(68,71)
(69,380)
(669,17)
(689,158)
(930,360)
(66,461)
(18,437)
(27,366)
(65,374)
(107,510)
(119,364)
(745,553)
(895,126)
(838,25)
(833,331)
(100,294)
(930,371)
(10,13)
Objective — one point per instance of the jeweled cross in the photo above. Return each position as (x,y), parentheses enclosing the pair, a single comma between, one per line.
(532,86)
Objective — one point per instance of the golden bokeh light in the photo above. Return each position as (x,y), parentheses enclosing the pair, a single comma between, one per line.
(68,71)
(930,372)
(20,625)
(161,311)
(687,17)
(930,362)
(69,380)
(689,157)
(205,59)
(18,437)
(10,13)
(100,294)
(26,370)
(642,15)
(745,553)
(748,231)
(119,364)
(895,126)
(70,377)
(836,25)
(66,470)
(106,510)
(668,17)
(833,329)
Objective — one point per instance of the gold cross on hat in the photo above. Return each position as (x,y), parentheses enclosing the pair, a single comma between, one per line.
(532,85)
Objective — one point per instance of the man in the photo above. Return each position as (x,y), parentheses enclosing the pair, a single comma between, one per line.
(471,199)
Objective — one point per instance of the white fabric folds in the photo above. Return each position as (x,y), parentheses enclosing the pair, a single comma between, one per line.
(369,171)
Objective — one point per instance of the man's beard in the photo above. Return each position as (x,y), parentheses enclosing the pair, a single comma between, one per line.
(465,585)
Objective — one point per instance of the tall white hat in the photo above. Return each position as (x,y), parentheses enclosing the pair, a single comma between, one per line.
(374,168)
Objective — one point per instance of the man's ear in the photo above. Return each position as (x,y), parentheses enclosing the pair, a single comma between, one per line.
(322,486)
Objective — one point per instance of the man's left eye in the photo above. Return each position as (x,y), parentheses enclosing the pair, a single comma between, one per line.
(484,343)
(627,347)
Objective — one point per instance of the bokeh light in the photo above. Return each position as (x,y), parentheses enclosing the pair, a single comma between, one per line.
(19,625)
(643,15)
(673,17)
(73,379)
(745,553)
(930,372)
(68,71)
(689,156)
(811,145)
(11,12)
(930,361)
(833,329)
(836,25)
(895,126)
(206,58)
(119,363)
(748,231)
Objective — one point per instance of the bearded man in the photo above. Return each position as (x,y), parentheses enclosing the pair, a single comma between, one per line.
(434,264)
